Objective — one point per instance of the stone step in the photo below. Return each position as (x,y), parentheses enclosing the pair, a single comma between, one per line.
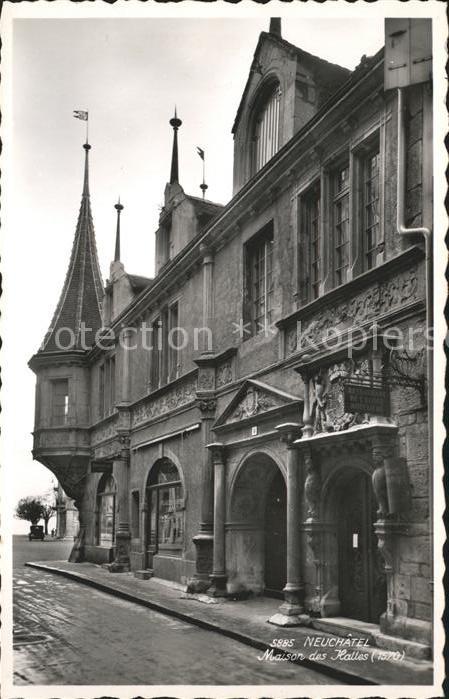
(143,574)
(342,626)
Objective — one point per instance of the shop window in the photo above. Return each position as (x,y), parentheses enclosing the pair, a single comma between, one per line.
(106,504)
(258,293)
(60,402)
(165,500)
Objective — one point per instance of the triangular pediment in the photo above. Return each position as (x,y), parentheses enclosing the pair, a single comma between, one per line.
(254,398)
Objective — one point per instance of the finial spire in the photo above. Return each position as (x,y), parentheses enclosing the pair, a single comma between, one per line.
(275,26)
(79,306)
(87,148)
(119,208)
(174,172)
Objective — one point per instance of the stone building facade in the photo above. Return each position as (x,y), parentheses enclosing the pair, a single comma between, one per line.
(254,419)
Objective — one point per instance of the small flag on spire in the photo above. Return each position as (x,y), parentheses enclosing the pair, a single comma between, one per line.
(79,114)
(200,152)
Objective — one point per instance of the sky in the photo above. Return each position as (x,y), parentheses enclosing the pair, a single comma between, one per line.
(129,74)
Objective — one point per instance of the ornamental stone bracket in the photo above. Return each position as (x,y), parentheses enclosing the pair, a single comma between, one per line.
(396,620)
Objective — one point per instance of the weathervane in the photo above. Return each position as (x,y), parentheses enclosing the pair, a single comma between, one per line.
(203,186)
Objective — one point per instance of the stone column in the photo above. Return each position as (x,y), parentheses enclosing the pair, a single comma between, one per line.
(292,609)
(203,540)
(122,536)
(218,577)
(208,291)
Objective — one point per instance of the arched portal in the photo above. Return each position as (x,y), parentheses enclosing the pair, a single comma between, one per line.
(359,571)
(165,510)
(256,527)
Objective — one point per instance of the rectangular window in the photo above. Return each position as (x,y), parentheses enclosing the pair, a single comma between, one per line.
(106,398)
(101,392)
(311,248)
(370,208)
(156,352)
(341,224)
(259,281)
(111,384)
(164,351)
(173,342)
(60,401)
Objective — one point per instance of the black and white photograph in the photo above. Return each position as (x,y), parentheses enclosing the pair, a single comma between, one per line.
(223,370)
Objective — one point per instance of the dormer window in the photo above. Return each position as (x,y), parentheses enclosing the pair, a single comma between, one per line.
(266,128)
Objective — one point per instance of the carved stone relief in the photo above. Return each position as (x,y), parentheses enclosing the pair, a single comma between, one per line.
(206,379)
(224,374)
(254,402)
(374,301)
(312,488)
(327,396)
(172,399)
(103,432)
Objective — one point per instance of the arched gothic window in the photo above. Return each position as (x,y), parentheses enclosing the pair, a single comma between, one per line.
(165,500)
(266,128)
(106,503)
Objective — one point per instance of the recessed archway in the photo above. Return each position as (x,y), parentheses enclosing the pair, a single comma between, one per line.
(256,527)
(354,564)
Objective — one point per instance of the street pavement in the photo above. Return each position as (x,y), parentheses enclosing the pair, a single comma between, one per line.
(66,633)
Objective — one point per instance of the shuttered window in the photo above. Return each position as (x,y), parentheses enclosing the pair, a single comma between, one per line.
(266,134)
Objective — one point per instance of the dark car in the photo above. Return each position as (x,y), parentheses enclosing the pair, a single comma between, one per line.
(36,532)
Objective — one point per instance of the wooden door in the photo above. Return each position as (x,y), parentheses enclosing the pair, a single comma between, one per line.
(362,584)
(276,537)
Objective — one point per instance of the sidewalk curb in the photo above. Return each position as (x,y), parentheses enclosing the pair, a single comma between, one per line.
(341,675)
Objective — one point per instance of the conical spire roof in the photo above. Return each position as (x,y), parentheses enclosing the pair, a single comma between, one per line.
(78,314)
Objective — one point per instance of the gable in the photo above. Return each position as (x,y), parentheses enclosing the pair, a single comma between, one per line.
(255,398)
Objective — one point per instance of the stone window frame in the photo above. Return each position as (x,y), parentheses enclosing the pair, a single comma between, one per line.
(351,153)
(271,87)
(263,236)
(360,150)
(107,385)
(168,361)
(302,248)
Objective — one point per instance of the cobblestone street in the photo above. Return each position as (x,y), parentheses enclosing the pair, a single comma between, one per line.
(66,633)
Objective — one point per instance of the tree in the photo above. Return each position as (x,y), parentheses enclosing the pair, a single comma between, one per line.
(30,509)
(47,513)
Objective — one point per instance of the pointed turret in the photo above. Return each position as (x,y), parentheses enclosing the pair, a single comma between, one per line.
(78,313)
